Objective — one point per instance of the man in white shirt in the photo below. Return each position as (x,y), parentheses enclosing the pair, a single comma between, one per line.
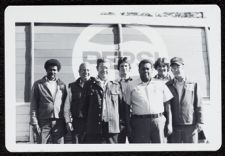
(148,98)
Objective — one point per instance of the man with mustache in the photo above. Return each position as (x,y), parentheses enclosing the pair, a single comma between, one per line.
(147,98)
(101,100)
(73,108)
(47,102)
(186,106)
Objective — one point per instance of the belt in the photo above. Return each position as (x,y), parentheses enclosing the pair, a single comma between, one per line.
(148,115)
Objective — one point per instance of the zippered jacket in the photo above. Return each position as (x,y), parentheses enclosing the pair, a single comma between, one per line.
(189,110)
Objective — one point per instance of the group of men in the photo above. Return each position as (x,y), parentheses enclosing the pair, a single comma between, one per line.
(158,109)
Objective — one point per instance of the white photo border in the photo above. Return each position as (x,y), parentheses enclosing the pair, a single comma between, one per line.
(62,14)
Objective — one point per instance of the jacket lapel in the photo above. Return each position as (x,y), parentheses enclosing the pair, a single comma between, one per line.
(46,89)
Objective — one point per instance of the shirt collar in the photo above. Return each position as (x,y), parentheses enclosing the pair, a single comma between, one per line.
(126,80)
(175,80)
(80,82)
(141,82)
(47,80)
(167,77)
(101,82)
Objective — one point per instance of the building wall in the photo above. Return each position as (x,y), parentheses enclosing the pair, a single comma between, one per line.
(23,81)
(58,40)
(190,44)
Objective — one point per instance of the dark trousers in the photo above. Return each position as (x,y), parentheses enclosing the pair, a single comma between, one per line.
(78,134)
(122,135)
(102,138)
(147,130)
(184,134)
(52,131)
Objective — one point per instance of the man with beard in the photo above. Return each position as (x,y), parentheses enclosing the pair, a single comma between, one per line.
(186,106)
(73,108)
(147,98)
(47,103)
(101,100)
(162,66)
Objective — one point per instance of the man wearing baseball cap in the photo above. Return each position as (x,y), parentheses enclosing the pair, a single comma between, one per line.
(186,105)
(47,102)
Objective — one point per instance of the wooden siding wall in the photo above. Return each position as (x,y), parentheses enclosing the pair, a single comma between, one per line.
(22,122)
(54,41)
(23,81)
(57,41)
(23,68)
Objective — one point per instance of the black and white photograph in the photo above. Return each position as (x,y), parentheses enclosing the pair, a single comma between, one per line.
(113,78)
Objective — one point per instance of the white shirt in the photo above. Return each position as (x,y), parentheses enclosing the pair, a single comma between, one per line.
(147,98)
(52,86)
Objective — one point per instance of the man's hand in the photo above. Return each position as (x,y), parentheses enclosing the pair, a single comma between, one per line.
(69,126)
(36,129)
(199,127)
(168,129)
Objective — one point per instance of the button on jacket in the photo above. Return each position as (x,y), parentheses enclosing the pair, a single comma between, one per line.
(43,104)
(189,110)
(93,104)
